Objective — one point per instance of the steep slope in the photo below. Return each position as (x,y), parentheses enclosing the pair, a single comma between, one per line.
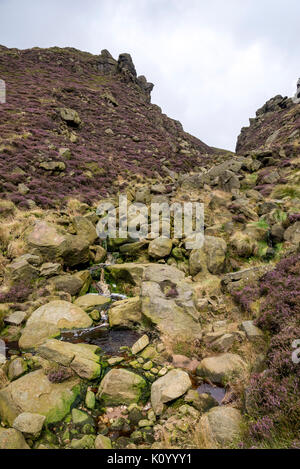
(275,127)
(75,124)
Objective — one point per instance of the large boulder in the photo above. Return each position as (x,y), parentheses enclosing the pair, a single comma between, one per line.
(92,301)
(222,368)
(125,313)
(168,302)
(34,393)
(21,271)
(48,320)
(210,258)
(52,243)
(81,358)
(169,387)
(292,234)
(160,247)
(121,387)
(220,427)
(70,116)
(46,241)
(76,251)
(29,423)
(85,228)
(12,439)
(128,272)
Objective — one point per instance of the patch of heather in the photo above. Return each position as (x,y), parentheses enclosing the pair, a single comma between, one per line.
(17,294)
(273,395)
(122,134)
(246,296)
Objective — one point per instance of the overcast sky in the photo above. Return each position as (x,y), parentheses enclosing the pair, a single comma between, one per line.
(213,62)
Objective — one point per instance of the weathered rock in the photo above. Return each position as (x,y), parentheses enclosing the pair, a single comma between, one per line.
(86,442)
(220,427)
(46,241)
(48,269)
(76,251)
(67,283)
(70,116)
(16,318)
(252,332)
(81,418)
(160,247)
(81,358)
(91,301)
(53,165)
(102,442)
(29,423)
(85,229)
(48,320)
(36,394)
(221,369)
(169,387)
(170,306)
(292,234)
(140,344)
(21,271)
(201,402)
(215,250)
(121,387)
(125,313)
(12,439)
(129,273)
(16,368)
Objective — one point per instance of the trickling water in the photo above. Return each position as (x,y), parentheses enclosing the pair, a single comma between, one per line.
(215,391)
(108,340)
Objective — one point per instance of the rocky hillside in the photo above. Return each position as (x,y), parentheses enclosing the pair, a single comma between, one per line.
(81,125)
(144,343)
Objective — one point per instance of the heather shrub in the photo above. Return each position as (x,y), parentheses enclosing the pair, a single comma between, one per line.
(272,398)
(17,293)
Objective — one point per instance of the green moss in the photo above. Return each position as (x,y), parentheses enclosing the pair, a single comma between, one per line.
(60,412)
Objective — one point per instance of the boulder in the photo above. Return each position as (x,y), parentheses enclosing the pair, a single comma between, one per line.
(128,272)
(21,271)
(48,269)
(292,234)
(16,318)
(169,387)
(81,358)
(53,165)
(220,427)
(125,313)
(76,251)
(121,387)
(253,333)
(160,247)
(92,301)
(48,320)
(67,283)
(70,116)
(46,241)
(29,423)
(222,368)
(34,393)
(12,439)
(215,250)
(85,228)
(140,344)
(170,306)
(102,442)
